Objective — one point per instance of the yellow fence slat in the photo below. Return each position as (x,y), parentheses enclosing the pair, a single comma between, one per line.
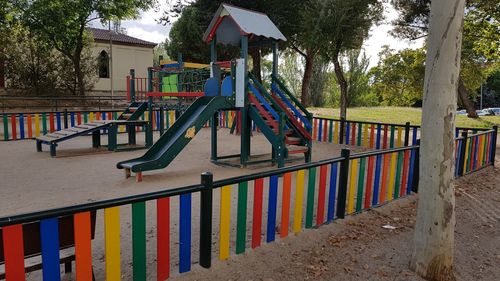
(112,243)
(225,216)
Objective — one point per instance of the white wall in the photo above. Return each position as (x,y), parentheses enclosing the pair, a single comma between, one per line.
(124,59)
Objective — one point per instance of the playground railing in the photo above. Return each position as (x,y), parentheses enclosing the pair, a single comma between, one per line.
(268,205)
(20,126)
(371,134)
(344,185)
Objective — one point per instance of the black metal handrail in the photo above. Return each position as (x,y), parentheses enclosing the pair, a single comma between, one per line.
(392,124)
(86,207)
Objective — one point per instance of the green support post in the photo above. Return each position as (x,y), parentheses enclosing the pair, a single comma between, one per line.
(343,180)
(213,130)
(407,134)
(96,139)
(5,127)
(245,128)
(206,207)
(162,121)
(149,125)
(112,132)
(281,147)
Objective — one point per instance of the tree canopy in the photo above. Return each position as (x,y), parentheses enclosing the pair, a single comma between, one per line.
(62,24)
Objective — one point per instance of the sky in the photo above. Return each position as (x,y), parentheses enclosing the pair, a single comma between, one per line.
(146,28)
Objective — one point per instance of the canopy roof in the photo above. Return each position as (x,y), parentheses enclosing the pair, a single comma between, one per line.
(230,22)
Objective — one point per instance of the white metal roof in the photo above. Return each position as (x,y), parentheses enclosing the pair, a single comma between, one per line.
(230,22)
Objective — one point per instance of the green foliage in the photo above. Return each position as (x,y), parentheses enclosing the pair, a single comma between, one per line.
(399,76)
(344,25)
(355,67)
(291,71)
(28,62)
(61,23)
(186,38)
(318,82)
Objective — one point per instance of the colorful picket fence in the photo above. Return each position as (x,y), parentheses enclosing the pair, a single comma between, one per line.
(363,134)
(311,195)
(475,151)
(19,126)
(370,134)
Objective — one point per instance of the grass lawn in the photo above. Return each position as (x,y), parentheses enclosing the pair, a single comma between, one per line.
(400,115)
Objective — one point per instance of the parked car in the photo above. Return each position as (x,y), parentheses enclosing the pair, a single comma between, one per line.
(462,112)
(485,112)
(495,110)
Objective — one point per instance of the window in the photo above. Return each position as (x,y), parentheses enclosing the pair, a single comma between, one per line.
(103,62)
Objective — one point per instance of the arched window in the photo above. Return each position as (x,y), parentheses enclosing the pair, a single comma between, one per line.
(103,62)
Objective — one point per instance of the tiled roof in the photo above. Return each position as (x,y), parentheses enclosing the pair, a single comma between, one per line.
(101,35)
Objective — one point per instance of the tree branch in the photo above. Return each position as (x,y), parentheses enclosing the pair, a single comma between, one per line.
(298,50)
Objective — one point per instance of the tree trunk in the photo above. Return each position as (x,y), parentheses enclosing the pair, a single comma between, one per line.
(343,87)
(256,59)
(79,75)
(432,256)
(305,96)
(464,98)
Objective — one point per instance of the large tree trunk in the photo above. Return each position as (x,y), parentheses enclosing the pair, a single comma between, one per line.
(256,66)
(305,96)
(464,98)
(432,256)
(343,87)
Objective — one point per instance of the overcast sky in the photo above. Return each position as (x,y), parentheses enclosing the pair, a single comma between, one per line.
(148,29)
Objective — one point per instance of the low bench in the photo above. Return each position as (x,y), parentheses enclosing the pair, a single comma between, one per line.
(32,243)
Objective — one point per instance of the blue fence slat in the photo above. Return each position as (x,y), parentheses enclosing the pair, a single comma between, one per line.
(72,119)
(379,132)
(21,126)
(58,120)
(320,130)
(347,132)
(410,173)
(332,192)
(49,235)
(185,233)
(271,208)
(376,180)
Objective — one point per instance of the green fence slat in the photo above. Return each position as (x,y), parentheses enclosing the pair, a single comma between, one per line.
(5,127)
(469,154)
(85,117)
(241,227)
(393,135)
(397,182)
(361,184)
(139,241)
(115,115)
(44,123)
(360,133)
(311,183)
(330,131)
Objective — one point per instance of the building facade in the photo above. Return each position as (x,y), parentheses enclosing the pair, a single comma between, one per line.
(124,53)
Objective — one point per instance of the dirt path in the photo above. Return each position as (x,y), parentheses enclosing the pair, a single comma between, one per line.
(359,248)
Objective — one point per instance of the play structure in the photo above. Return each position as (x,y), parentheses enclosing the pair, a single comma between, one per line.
(128,118)
(281,118)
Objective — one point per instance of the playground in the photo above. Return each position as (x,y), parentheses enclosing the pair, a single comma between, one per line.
(205,162)
(83,174)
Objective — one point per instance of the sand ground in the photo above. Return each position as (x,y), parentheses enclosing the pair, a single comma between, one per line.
(34,181)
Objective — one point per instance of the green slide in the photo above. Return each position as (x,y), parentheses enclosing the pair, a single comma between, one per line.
(178,136)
